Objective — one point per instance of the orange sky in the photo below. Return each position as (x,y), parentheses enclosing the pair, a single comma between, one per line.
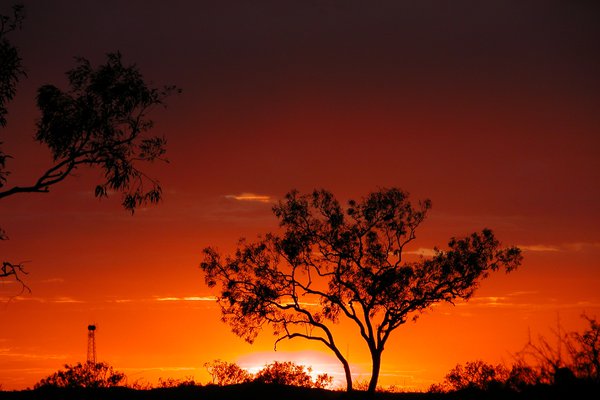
(490,110)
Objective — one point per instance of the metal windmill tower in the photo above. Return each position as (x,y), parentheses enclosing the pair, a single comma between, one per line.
(91,347)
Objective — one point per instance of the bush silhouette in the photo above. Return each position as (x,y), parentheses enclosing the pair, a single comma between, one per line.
(88,375)
(225,373)
(289,373)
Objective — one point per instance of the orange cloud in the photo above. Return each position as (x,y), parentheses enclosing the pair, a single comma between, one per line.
(250,197)
(188,298)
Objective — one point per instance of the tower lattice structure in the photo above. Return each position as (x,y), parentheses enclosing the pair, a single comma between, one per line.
(91,347)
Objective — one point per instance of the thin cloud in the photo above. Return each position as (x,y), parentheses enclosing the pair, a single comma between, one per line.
(250,197)
(65,300)
(163,299)
(488,301)
(187,298)
(522,293)
(8,352)
(539,248)
(580,246)
(422,251)
(576,246)
(508,302)
(60,300)
(53,280)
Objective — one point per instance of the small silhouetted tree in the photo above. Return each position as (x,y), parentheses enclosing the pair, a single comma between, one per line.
(87,375)
(569,355)
(289,373)
(168,383)
(328,262)
(548,357)
(100,121)
(584,349)
(483,376)
(224,373)
(476,375)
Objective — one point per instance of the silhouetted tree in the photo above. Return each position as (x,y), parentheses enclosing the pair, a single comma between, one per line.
(547,357)
(166,383)
(585,351)
(88,375)
(289,373)
(11,70)
(521,376)
(225,373)
(573,357)
(569,355)
(329,263)
(476,375)
(101,121)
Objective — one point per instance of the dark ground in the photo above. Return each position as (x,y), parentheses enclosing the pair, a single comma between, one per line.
(276,392)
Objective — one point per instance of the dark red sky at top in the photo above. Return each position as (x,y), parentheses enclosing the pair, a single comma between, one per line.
(488,86)
(489,108)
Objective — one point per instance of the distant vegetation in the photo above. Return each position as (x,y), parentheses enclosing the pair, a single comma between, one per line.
(564,366)
(280,373)
(87,375)
(571,359)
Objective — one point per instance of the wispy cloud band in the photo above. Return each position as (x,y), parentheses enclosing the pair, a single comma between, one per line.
(250,197)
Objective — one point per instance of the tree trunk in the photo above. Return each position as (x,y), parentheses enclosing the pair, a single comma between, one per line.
(376,358)
(346,366)
(348,375)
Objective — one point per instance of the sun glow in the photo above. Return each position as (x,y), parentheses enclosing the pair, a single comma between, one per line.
(319,363)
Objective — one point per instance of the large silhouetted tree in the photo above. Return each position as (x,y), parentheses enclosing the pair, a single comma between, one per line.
(329,263)
(100,121)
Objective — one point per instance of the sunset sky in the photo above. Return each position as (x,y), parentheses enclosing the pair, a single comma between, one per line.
(489,108)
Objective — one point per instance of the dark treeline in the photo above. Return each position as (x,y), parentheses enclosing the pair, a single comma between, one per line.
(276,392)
(565,366)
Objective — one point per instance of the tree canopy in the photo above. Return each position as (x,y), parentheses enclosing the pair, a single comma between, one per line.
(328,263)
(100,121)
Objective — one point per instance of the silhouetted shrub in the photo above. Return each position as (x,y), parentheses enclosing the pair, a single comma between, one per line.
(579,353)
(88,375)
(473,375)
(173,382)
(574,361)
(585,351)
(289,373)
(224,373)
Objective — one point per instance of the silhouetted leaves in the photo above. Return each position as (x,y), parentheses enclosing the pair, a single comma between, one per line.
(11,67)
(100,122)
